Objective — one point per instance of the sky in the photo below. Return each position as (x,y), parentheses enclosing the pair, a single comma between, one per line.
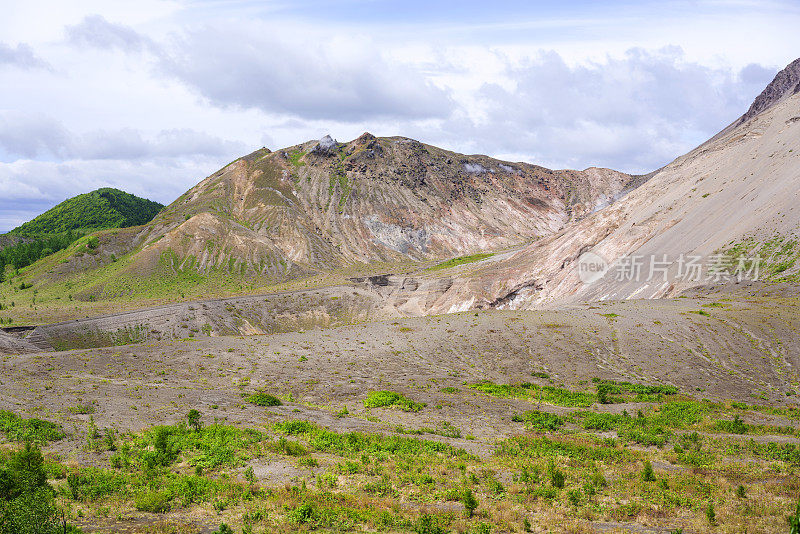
(153,96)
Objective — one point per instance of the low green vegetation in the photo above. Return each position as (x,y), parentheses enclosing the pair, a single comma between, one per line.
(27,501)
(536,420)
(533,392)
(34,430)
(295,156)
(31,250)
(381,399)
(356,443)
(606,392)
(263,399)
(461,260)
(736,426)
(612,391)
(775,258)
(353,481)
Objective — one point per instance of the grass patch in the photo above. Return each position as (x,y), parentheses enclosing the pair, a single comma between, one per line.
(653,428)
(546,394)
(82,409)
(294,158)
(455,262)
(536,420)
(631,392)
(381,399)
(358,443)
(17,428)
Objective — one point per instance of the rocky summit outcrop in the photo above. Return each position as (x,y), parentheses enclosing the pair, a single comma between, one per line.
(786,83)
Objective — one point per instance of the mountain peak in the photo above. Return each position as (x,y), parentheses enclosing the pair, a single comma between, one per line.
(786,83)
(326,145)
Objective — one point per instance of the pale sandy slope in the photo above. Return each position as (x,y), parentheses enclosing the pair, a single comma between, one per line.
(741,183)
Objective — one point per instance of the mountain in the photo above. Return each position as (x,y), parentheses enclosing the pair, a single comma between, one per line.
(380,211)
(736,195)
(326,204)
(322,206)
(103,208)
(360,229)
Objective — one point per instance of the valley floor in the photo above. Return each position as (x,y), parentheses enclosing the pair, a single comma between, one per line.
(636,416)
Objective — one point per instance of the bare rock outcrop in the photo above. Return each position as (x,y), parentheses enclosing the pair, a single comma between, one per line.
(786,83)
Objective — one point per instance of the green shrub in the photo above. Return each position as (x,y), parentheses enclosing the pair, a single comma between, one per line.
(295,427)
(379,399)
(794,520)
(156,502)
(193,418)
(91,484)
(426,524)
(290,448)
(36,430)
(536,420)
(302,513)
(711,514)
(165,449)
(647,473)
(23,473)
(250,475)
(263,399)
(32,512)
(469,501)
(557,478)
(26,500)
(604,394)
(83,409)
(737,426)
(481,528)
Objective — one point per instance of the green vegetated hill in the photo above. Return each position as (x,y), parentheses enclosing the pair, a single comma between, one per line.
(59,227)
(103,208)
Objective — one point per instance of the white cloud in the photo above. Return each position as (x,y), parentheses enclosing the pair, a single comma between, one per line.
(36,135)
(152,96)
(343,79)
(96,31)
(29,186)
(21,56)
(634,113)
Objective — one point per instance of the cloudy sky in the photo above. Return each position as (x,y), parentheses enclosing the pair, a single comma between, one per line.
(152,96)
